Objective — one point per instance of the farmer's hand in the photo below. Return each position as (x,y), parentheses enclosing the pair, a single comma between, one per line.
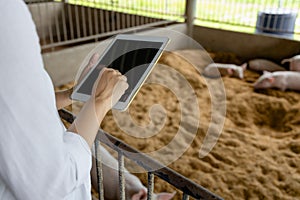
(108,88)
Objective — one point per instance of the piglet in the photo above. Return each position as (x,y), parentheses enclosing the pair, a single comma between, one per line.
(294,63)
(264,65)
(282,80)
(215,70)
(134,189)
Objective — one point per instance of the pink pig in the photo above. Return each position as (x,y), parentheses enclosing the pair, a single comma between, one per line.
(294,63)
(134,189)
(264,65)
(215,70)
(282,80)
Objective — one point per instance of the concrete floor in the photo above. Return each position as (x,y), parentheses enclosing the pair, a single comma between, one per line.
(64,64)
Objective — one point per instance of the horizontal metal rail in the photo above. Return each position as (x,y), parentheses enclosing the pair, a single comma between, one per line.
(107,34)
(188,187)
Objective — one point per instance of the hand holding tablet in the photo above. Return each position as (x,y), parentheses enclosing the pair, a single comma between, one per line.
(109,87)
(133,56)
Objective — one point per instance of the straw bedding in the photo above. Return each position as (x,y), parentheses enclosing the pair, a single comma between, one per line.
(257,155)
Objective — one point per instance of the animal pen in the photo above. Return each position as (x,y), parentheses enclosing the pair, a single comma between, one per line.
(72,23)
(63,22)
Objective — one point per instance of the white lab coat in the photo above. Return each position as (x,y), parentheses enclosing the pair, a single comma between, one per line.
(39,160)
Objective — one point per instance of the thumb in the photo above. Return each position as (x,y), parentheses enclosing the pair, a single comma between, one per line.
(93,60)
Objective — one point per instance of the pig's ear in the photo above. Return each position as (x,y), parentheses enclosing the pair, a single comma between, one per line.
(244,66)
(266,72)
(141,195)
(165,196)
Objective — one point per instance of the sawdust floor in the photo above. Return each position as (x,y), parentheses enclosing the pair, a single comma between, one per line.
(257,155)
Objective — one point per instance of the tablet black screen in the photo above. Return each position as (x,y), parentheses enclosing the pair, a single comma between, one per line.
(130,57)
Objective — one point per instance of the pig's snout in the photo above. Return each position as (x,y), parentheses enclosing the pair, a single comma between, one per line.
(263,83)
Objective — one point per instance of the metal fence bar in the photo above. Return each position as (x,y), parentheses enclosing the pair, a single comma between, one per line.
(185,196)
(102,27)
(127,18)
(90,21)
(133,21)
(99,170)
(107,22)
(161,171)
(121,175)
(77,22)
(150,185)
(63,13)
(118,20)
(96,20)
(177,180)
(58,35)
(70,22)
(42,30)
(49,27)
(83,21)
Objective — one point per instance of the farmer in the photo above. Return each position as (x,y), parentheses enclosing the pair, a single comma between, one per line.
(39,159)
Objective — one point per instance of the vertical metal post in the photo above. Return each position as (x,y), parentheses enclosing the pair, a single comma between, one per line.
(43,39)
(99,170)
(57,27)
(71,21)
(185,196)
(102,28)
(77,20)
(190,13)
(83,21)
(50,27)
(89,12)
(107,23)
(118,20)
(64,21)
(112,20)
(121,175)
(96,19)
(150,185)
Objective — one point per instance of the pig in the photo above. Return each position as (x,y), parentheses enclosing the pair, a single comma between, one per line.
(134,189)
(294,63)
(215,70)
(282,80)
(264,65)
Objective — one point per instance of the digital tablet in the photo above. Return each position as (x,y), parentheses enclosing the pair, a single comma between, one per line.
(134,56)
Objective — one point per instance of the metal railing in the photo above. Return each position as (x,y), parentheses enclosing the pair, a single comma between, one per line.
(61,23)
(153,167)
(69,22)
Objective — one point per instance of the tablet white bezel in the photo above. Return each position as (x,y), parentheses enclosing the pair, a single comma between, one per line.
(124,105)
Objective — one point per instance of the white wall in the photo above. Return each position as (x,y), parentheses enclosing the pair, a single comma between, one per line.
(246,46)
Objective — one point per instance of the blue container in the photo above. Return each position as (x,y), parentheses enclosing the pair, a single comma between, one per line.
(279,22)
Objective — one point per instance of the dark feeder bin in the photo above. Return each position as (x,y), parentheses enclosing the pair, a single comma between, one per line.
(278,22)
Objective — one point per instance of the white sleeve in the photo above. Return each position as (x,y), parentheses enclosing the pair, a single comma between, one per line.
(39,160)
